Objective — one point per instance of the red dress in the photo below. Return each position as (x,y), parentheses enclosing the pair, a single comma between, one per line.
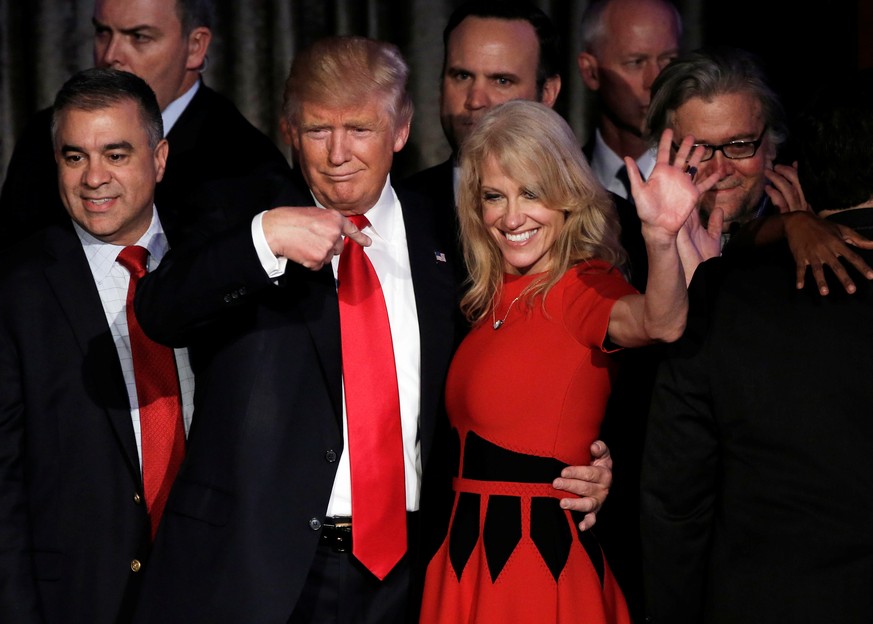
(526,400)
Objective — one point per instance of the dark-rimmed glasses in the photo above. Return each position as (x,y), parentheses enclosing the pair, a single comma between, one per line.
(735,150)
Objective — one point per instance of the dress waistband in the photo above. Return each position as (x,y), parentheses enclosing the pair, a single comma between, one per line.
(508,488)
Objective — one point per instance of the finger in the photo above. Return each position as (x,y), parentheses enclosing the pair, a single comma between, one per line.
(587,522)
(696,156)
(709,181)
(777,199)
(858,262)
(800,275)
(836,266)
(684,153)
(716,223)
(599,451)
(595,484)
(819,277)
(665,146)
(851,237)
(352,231)
(791,199)
(633,173)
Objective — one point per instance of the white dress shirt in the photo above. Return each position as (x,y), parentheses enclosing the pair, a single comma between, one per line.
(174,109)
(390,258)
(606,164)
(112,281)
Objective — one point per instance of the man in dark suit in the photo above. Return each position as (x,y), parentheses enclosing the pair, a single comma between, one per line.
(625,44)
(494,51)
(74,519)
(758,471)
(165,42)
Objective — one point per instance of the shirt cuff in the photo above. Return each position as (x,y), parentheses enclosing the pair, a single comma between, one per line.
(274,266)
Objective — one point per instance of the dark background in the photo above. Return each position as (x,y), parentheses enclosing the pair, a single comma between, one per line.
(42,42)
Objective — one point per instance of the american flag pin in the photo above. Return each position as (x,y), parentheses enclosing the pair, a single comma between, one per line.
(440,256)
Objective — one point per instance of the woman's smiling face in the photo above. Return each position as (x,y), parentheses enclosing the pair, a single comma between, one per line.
(524,227)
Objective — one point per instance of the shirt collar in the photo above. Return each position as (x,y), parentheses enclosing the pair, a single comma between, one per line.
(102,256)
(175,109)
(381,215)
(605,163)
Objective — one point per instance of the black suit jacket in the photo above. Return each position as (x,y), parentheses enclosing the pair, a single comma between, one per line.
(242,522)
(758,471)
(219,166)
(72,520)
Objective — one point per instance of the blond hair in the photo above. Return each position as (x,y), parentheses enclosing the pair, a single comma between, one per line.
(533,145)
(345,71)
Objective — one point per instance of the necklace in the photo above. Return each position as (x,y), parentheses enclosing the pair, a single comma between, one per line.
(498,323)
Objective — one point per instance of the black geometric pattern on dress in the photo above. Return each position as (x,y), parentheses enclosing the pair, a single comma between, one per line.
(591,546)
(464,532)
(502,531)
(550,533)
(485,461)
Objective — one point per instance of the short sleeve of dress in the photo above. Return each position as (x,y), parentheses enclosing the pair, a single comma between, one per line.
(592,288)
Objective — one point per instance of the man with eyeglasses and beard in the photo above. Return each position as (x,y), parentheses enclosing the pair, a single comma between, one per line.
(722,97)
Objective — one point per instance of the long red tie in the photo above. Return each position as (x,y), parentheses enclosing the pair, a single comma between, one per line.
(375,443)
(160,405)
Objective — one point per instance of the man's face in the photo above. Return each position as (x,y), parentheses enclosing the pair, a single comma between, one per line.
(489,61)
(640,39)
(345,152)
(107,172)
(145,38)
(725,118)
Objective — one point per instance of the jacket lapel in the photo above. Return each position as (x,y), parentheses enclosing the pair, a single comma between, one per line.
(69,276)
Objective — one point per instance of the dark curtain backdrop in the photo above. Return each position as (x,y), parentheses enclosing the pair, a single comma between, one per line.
(42,42)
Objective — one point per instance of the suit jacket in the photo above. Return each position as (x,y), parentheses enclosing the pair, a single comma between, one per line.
(758,472)
(243,520)
(73,523)
(218,165)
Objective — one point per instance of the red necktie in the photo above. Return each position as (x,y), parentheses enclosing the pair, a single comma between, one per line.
(375,443)
(160,405)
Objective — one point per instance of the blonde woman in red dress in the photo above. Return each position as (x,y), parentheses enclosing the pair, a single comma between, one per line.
(528,386)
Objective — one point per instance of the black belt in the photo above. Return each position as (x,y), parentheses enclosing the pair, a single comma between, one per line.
(336,532)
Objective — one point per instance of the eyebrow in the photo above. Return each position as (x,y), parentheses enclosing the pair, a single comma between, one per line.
(125,31)
(123,145)
(455,69)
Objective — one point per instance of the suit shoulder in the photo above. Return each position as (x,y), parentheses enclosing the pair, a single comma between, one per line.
(219,124)
(425,181)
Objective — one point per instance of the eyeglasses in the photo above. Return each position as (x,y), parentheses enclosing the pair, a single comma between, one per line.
(735,150)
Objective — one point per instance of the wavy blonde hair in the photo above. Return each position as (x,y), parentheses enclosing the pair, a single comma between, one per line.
(534,146)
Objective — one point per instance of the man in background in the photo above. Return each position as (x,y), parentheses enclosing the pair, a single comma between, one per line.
(625,45)
(165,42)
(494,51)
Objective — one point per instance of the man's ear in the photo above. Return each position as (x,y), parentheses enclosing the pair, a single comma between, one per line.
(589,70)
(162,150)
(198,45)
(551,89)
(401,135)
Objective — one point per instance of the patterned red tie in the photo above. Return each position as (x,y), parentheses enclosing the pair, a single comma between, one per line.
(375,443)
(160,405)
